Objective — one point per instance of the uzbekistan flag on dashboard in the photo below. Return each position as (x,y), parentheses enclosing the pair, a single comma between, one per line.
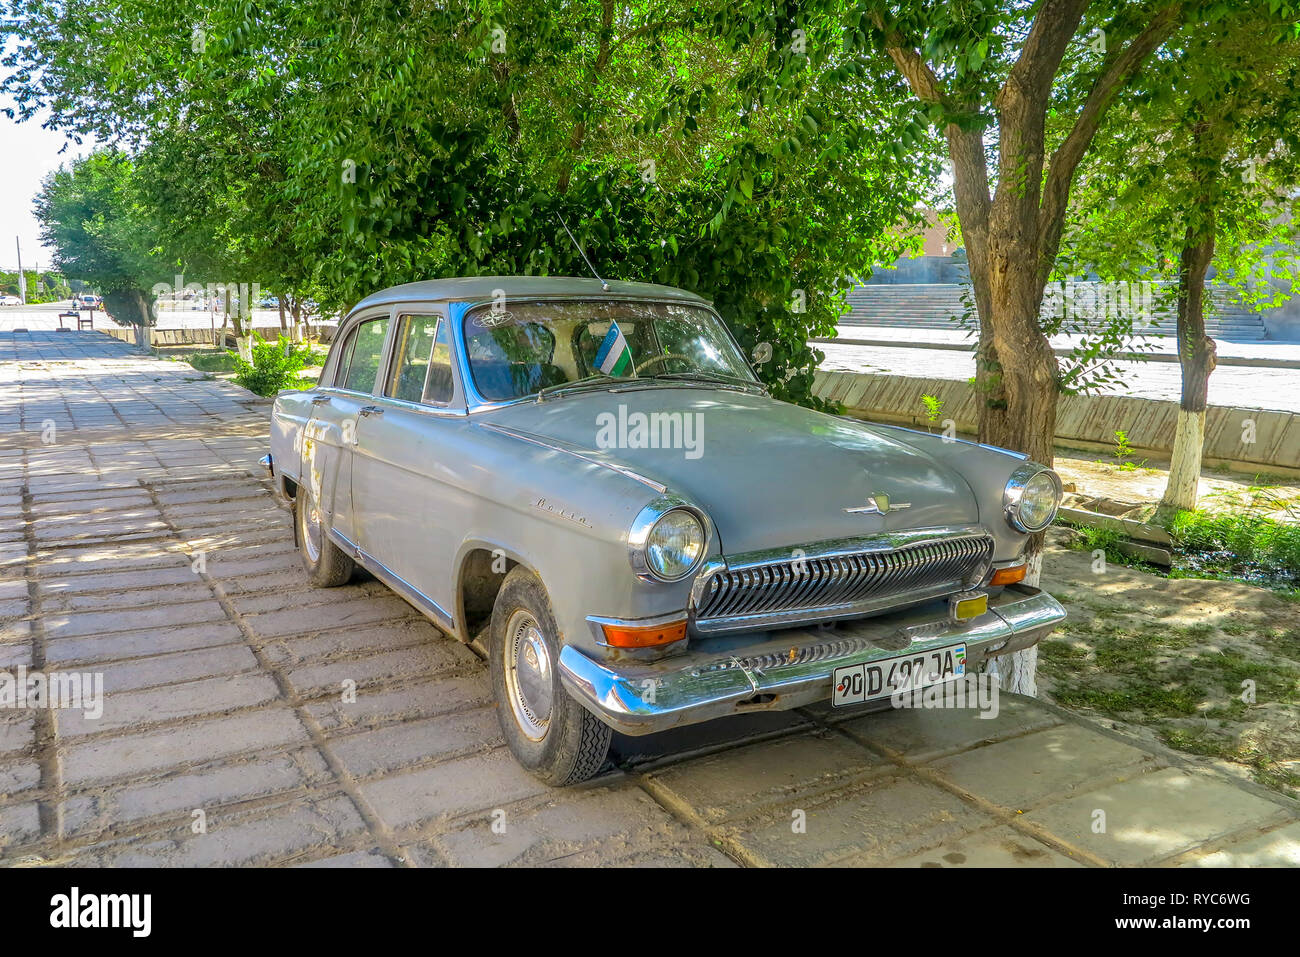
(614,357)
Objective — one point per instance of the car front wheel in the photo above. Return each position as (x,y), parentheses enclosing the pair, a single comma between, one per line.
(548,732)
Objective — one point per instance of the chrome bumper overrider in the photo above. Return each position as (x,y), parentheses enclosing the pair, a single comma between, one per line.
(787,669)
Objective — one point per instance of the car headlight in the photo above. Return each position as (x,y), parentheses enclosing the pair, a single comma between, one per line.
(667,541)
(1031,498)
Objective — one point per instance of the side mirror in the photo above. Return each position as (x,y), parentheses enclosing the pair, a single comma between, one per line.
(762,353)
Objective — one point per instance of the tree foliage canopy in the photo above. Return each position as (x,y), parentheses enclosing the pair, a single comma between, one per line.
(342,149)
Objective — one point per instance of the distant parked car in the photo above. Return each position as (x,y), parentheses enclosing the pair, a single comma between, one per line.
(589,482)
(89,301)
(269,302)
(10,301)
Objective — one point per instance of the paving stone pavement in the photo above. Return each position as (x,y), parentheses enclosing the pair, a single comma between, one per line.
(141,543)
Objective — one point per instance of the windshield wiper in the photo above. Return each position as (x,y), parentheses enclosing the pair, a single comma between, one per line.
(578,383)
(721,377)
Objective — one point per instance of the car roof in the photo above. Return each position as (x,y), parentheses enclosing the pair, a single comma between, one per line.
(477,288)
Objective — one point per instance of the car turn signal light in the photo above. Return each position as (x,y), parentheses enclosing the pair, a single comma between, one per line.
(628,636)
(1008,576)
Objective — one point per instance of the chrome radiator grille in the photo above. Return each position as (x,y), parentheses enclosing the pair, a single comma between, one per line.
(789,590)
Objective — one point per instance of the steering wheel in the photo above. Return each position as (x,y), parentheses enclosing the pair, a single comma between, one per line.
(662,358)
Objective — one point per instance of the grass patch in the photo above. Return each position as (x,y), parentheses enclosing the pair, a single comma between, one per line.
(1190,683)
(1239,541)
(212,361)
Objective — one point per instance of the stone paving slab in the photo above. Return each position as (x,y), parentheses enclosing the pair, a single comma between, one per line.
(143,545)
(996,847)
(1154,816)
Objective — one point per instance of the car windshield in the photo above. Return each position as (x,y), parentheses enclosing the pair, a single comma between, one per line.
(524,348)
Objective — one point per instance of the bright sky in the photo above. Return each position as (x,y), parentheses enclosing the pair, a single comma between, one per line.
(27,154)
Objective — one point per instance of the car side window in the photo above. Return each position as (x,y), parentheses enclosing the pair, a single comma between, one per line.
(412,347)
(439,386)
(345,357)
(363,356)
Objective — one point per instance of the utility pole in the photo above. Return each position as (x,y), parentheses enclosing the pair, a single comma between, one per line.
(22,283)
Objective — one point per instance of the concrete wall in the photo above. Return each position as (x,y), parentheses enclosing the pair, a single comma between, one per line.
(1087,422)
(922,270)
(1283,322)
(203,337)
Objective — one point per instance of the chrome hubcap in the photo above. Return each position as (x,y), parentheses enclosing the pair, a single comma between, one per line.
(528,675)
(311,530)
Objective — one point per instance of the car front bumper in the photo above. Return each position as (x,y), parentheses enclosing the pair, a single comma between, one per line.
(788,669)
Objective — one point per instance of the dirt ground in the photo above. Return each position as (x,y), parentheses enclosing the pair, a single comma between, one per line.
(1206,666)
(1141,481)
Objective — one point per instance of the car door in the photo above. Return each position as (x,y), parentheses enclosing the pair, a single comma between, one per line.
(330,434)
(403,500)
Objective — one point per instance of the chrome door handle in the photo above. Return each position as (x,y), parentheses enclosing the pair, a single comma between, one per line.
(369,410)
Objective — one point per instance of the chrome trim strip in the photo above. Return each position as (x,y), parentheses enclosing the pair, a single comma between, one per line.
(397,583)
(557,445)
(445,411)
(795,669)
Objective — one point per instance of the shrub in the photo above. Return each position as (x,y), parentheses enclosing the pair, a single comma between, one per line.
(1248,537)
(275,366)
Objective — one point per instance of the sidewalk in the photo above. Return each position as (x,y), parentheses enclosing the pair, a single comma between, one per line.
(45,318)
(142,544)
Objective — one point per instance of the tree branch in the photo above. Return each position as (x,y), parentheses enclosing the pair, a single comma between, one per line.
(579,134)
(1044,46)
(1066,158)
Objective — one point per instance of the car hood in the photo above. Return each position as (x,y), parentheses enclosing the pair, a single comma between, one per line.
(769,474)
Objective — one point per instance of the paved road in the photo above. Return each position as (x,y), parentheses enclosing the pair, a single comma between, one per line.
(142,544)
(45,317)
(1265,349)
(1245,387)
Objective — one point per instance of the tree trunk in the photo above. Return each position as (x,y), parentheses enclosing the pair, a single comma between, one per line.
(243,339)
(1013,237)
(1196,356)
(1016,372)
(283,323)
(130,307)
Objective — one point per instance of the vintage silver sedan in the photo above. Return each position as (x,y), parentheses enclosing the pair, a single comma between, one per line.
(587,483)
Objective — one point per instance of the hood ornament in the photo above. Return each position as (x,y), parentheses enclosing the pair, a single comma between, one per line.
(879,505)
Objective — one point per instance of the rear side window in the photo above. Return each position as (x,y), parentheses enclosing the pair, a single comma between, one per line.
(362,353)
(440,385)
(412,348)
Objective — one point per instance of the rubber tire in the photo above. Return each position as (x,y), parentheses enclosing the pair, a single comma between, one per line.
(334,568)
(577,742)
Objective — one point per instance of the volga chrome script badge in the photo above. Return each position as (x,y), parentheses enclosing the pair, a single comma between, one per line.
(878,504)
(562,512)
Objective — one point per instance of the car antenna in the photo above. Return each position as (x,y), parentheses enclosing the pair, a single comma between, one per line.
(604,286)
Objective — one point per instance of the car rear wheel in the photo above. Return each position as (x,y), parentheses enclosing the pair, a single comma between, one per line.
(548,732)
(324,561)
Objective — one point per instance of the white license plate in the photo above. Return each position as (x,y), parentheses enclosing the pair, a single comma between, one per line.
(854,684)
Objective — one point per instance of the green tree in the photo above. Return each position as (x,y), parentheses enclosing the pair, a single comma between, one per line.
(1019,92)
(739,156)
(1200,164)
(90,213)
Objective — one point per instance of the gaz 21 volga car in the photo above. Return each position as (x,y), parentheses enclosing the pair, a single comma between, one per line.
(587,482)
